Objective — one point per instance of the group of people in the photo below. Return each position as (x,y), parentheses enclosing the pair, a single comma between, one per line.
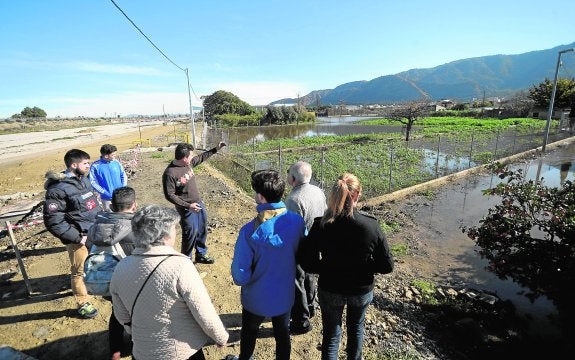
(294,255)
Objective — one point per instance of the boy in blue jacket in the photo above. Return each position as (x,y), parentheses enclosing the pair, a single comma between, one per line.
(264,264)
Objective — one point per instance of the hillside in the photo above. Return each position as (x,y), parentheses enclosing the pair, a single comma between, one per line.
(463,80)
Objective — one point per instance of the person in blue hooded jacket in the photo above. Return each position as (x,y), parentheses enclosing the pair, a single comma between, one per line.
(264,264)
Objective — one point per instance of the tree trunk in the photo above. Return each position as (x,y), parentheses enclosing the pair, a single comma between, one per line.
(408,130)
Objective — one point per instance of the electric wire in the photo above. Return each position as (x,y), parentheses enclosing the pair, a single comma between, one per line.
(147,38)
(156,47)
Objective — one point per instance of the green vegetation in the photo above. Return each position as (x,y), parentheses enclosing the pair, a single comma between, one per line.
(564,96)
(224,102)
(233,120)
(451,124)
(159,155)
(29,112)
(541,260)
(383,161)
(427,290)
(390,226)
(399,250)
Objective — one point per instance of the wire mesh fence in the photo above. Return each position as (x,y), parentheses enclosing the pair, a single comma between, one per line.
(383,165)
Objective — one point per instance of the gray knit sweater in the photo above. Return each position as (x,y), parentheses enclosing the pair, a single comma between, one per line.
(307,200)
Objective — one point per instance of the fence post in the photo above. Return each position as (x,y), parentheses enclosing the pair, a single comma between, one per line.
(496,145)
(437,158)
(470,151)
(514,138)
(322,183)
(280,159)
(390,168)
(254,152)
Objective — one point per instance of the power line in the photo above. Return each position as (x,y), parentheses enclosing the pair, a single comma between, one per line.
(176,65)
(147,38)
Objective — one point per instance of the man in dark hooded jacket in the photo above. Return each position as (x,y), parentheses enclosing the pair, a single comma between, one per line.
(112,229)
(70,209)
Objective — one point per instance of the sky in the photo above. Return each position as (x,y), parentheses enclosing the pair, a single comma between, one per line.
(84,58)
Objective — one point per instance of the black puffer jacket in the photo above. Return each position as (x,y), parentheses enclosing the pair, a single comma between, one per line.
(71,206)
(111,228)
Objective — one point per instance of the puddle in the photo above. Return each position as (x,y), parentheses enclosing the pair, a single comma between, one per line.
(453,256)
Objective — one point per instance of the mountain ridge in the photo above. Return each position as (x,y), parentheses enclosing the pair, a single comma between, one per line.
(463,80)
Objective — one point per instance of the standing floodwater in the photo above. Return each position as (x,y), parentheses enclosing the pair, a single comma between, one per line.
(453,256)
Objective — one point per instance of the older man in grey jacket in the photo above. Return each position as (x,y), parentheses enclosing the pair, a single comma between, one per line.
(309,201)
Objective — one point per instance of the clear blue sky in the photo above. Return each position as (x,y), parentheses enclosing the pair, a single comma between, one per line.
(84,57)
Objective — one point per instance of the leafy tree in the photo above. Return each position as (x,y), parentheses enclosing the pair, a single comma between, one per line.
(530,237)
(541,93)
(460,106)
(408,113)
(287,114)
(28,112)
(224,102)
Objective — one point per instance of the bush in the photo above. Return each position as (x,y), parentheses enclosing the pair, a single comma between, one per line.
(231,120)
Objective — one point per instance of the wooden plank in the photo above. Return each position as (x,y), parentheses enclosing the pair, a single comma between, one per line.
(20,262)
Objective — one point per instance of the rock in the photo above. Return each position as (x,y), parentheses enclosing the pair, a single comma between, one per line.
(41,332)
(451,292)
(489,299)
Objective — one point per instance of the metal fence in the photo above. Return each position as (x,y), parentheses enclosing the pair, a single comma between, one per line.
(386,165)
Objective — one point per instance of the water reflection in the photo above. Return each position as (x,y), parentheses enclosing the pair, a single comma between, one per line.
(564,171)
(463,204)
(324,126)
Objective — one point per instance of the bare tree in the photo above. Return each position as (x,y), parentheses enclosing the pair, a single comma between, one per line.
(408,113)
(519,104)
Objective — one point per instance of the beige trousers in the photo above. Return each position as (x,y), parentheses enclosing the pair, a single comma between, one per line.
(78,254)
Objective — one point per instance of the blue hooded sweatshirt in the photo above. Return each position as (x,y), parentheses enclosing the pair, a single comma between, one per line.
(264,263)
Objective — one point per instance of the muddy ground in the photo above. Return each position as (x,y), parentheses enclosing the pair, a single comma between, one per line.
(452,322)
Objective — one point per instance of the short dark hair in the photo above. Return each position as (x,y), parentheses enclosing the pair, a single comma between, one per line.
(73,156)
(183,150)
(123,198)
(269,184)
(107,149)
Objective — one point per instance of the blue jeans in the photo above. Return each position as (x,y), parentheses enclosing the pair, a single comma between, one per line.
(331,314)
(194,230)
(249,333)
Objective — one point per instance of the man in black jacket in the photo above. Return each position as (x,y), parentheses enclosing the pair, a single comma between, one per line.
(70,209)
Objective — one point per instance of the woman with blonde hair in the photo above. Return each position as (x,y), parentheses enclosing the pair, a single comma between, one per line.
(346,248)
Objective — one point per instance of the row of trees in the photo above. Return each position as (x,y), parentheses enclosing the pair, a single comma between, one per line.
(228,109)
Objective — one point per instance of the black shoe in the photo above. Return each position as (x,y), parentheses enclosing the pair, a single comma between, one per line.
(300,330)
(204,259)
(311,312)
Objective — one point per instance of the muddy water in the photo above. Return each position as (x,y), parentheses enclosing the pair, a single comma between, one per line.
(453,256)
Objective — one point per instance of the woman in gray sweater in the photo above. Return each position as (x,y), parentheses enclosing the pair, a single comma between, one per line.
(158,294)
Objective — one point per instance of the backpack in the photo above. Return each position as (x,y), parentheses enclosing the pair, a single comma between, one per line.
(99,267)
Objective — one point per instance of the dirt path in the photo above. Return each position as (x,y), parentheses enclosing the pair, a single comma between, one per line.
(45,325)
(398,324)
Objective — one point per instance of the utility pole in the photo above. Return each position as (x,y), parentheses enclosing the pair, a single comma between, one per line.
(550,112)
(191,111)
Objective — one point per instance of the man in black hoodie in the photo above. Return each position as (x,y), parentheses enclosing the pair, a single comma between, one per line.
(70,209)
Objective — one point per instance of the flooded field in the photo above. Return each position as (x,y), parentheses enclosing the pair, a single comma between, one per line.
(453,257)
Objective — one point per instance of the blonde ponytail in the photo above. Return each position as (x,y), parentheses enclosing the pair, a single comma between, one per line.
(340,199)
